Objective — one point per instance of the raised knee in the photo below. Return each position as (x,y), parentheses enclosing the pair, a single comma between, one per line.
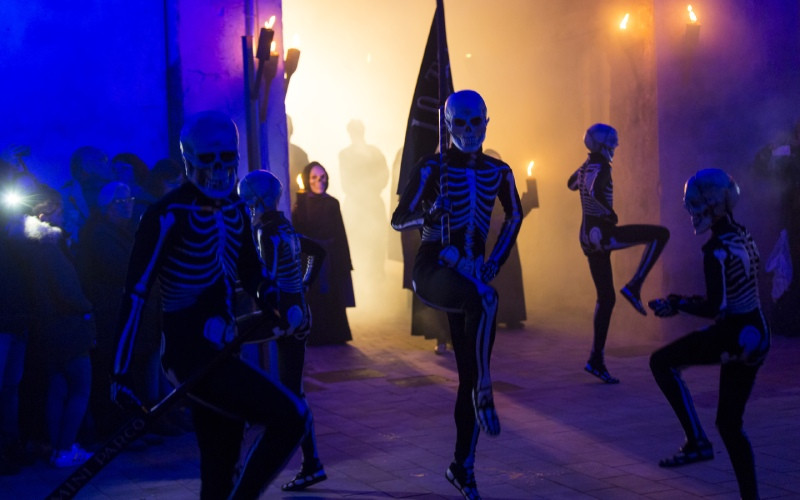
(663,234)
(489,295)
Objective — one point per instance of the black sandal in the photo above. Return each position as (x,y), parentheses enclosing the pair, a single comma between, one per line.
(689,454)
(305,479)
(463,480)
(600,371)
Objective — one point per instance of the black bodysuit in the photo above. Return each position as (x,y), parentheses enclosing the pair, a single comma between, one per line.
(198,248)
(474,182)
(739,340)
(600,235)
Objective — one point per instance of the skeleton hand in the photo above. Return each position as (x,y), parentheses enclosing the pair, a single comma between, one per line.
(470,268)
(488,271)
(664,308)
(288,325)
(218,331)
(451,257)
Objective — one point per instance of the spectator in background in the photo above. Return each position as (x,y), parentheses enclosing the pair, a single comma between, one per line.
(16,314)
(90,170)
(129,169)
(65,332)
(364,176)
(102,259)
(166,175)
(317,216)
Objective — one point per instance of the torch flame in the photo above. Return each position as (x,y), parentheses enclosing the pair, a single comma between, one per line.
(692,15)
(530,168)
(270,23)
(272,47)
(299,180)
(623,25)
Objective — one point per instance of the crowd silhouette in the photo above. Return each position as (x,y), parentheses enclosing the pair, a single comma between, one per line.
(64,254)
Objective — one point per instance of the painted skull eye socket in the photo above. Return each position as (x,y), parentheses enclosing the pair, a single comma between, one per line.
(695,206)
(208,158)
(459,122)
(475,121)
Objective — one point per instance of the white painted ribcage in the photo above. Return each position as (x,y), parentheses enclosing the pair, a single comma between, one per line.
(283,265)
(740,263)
(472,194)
(587,175)
(205,254)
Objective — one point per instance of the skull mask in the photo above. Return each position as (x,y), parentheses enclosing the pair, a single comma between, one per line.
(260,190)
(603,139)
(210,147)
(315,178)
(709,195)
(465,117)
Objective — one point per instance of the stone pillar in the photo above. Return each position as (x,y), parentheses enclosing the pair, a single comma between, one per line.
(207,39)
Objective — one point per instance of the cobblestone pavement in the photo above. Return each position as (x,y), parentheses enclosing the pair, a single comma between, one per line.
(383,410)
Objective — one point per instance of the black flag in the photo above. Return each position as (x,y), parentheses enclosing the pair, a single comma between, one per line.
(422,131)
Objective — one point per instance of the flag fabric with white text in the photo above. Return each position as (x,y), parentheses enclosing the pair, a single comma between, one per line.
(422,131)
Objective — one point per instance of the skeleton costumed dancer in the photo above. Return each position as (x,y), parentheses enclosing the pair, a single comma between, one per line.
(739,339)
(600,235)
(454,278)
(281,249)
(197,241)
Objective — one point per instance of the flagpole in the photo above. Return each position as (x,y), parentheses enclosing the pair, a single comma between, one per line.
(443,92)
